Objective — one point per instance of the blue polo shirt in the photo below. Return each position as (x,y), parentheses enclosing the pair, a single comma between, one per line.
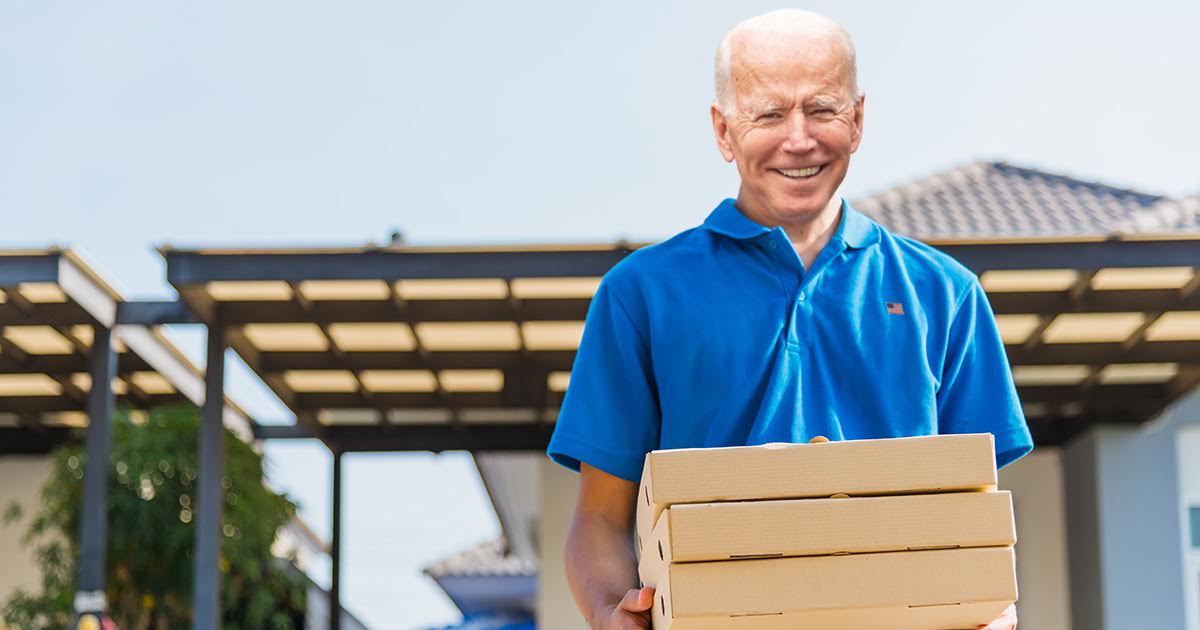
(720,337)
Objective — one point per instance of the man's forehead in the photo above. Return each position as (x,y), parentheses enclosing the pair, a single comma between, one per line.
(786,77)
(793,40)
(787,59)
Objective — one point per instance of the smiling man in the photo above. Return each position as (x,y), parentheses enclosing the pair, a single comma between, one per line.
(785,315)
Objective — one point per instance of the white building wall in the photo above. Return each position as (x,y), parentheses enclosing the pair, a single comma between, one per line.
(556,608)
(21,479)
(1042,571)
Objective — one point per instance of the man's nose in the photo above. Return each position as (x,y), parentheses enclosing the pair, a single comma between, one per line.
(799,137)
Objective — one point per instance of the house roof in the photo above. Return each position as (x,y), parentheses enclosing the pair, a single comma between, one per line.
(488,580)
(998,200)
(491,558)
(1168,216)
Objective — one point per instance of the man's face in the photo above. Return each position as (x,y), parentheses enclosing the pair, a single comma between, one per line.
(792,127)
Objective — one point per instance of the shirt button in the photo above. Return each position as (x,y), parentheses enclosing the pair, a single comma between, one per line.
(801,297)
(772,243)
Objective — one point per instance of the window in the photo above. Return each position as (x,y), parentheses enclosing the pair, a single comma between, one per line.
(1194,513)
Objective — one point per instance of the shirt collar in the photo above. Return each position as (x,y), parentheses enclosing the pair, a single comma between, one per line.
(855,229)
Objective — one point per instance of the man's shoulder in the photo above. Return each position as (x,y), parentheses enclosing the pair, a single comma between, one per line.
(925,262)
(658,261)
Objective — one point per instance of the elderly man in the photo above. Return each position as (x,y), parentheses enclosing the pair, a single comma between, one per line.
(785,315)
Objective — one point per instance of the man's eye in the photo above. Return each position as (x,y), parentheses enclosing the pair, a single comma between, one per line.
(769,116)
(822,112)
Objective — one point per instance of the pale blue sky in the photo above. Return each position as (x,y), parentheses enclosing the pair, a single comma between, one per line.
(125,125)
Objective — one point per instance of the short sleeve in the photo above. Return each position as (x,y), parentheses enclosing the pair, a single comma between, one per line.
(977,394)
(610,416)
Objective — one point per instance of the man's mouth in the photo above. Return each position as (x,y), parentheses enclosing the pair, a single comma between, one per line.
(799,173)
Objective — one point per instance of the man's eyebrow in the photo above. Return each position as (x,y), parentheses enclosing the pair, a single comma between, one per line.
(830,102)
(760,106)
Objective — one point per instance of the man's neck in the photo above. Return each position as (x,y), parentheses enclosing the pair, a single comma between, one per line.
(810,237)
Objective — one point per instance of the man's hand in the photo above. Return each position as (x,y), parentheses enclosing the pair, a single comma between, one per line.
(632,613)
(1006,621)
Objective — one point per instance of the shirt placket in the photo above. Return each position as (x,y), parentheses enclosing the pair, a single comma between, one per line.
(799,327)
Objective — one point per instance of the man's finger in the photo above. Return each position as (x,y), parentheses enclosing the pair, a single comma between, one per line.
(630,601)
(637,600)
(1007,620)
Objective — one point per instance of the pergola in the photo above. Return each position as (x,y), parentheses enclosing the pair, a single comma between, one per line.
(435,349)
(62,329)
(470,348)
(404,349)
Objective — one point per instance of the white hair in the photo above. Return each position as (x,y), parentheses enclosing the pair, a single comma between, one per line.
(787,22)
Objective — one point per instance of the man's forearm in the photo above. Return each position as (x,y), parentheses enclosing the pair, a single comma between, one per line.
(601,566)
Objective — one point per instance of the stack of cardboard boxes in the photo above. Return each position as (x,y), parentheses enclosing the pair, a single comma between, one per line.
(905,534)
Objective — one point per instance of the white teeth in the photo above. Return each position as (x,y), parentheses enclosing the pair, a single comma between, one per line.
(800,172)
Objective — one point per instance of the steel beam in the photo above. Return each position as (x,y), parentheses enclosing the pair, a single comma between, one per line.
(1186,352)
(186,268)
(549,360)
(152,313)
(34,440)
(68,364)
(18,269)
(206,598)
(980,257)
(194,267)
(282,432)
(415,310)
(13,313)
(1054,303)
(512,436)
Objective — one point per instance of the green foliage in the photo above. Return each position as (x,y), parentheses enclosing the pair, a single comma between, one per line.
(151,516)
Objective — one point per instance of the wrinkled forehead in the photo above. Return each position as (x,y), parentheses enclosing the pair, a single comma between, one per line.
(782,59)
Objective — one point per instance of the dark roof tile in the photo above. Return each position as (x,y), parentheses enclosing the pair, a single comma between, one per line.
(1166,217)
(996,199)
(488,559)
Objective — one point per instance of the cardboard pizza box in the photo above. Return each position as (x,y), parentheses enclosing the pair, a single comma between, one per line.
(809,527)
(910,465)
(903,590)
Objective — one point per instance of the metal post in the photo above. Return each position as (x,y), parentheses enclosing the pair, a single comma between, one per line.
(335,547)
(90,601)
(210,496)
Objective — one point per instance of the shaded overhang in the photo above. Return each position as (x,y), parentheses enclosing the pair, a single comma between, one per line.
(488,579)
(426,348)
(51,304)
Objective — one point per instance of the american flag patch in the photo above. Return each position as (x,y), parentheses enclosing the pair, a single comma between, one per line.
(894,308)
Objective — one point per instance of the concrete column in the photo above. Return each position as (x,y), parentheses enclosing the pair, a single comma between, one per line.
(1036,482)
(1125,538)
(555,606)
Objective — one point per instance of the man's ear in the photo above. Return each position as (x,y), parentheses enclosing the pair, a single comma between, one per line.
(856,136)
(721,130)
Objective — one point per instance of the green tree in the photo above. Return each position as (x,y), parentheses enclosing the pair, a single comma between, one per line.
(151,515)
